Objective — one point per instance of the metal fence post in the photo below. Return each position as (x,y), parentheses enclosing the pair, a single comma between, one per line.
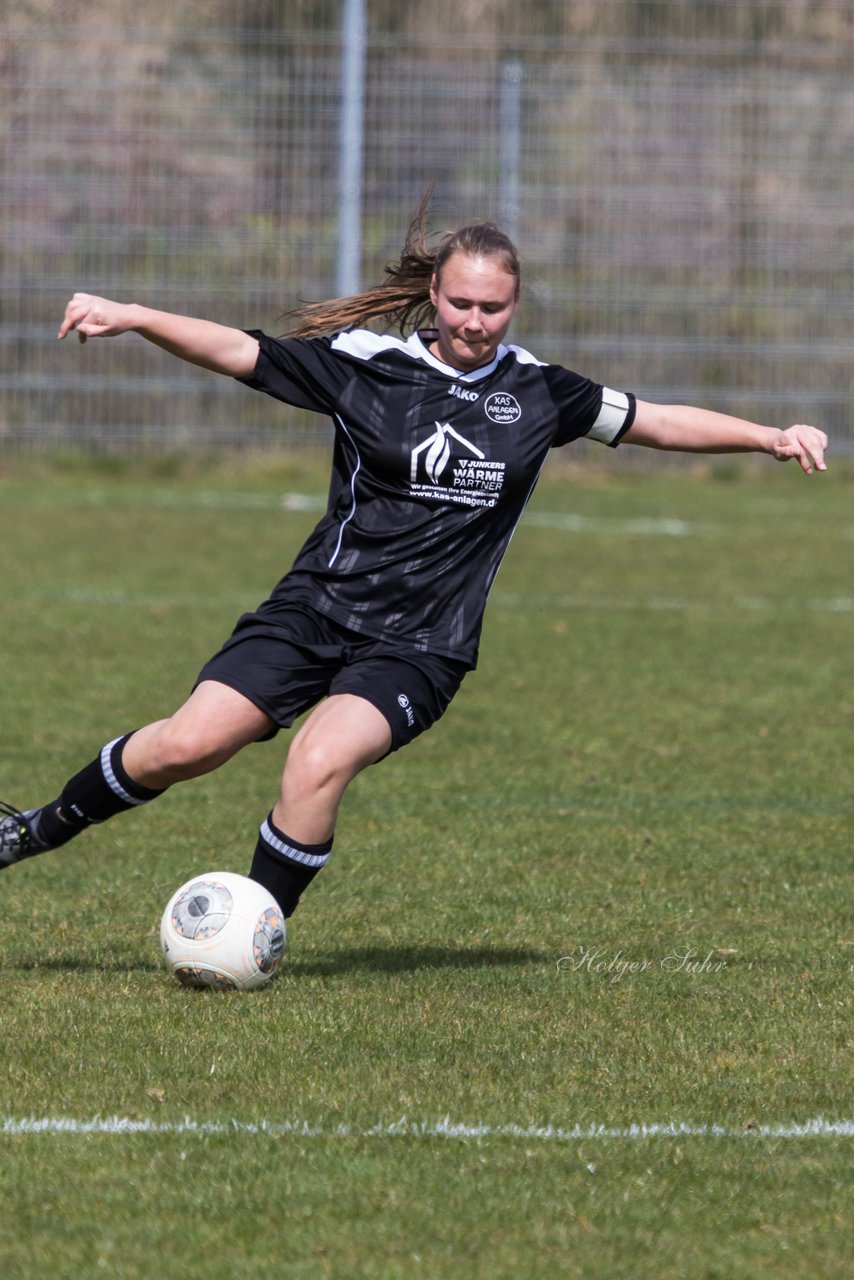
(351,144)
(510,146)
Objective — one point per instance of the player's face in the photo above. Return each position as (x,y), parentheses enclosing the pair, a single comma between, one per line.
(475,300)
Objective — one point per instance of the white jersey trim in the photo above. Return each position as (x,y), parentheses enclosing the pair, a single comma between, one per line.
(419,349)
(357,468)
(612,416)
(526,357)
(364,345)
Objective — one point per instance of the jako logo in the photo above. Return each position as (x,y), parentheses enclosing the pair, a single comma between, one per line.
(501,407)
(403,701)
(462,394)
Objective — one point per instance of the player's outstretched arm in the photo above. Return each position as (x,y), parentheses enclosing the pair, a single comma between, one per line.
(690,430)
(202,342)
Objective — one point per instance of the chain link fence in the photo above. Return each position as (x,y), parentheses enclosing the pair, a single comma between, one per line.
(680,178)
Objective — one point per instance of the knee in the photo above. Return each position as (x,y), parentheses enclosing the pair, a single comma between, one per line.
(312,767)
(184,751)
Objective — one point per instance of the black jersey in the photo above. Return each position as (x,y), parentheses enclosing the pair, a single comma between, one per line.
(432,469)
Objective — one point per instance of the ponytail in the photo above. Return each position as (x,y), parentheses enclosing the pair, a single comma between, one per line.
(403,299)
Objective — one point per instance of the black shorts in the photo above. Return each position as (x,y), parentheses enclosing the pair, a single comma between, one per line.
(286,667)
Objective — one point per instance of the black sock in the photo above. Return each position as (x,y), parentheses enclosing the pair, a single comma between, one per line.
(99,791)
(284,866)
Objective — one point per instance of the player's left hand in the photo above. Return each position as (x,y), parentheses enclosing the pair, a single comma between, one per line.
(803,442)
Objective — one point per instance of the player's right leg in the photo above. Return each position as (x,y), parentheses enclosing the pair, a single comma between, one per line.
(213,725)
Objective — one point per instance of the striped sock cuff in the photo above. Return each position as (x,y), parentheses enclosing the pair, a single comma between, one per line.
(117,778)
(99,791)
(314,856)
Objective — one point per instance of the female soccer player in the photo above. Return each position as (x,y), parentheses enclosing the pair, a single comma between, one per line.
(439,440)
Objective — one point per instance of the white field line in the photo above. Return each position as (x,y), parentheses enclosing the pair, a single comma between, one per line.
(678,604)
(563,521)
(246,500)
(119,596)
(569,523)
(405,1128)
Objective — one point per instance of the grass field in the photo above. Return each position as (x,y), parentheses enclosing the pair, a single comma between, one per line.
(572,998)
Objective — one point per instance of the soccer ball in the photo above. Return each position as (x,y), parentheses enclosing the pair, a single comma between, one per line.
(222,930)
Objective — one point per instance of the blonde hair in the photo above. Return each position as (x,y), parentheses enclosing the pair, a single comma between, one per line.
(403,299)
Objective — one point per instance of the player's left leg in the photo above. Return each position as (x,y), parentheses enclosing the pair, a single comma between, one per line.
(378,702)
(341,737)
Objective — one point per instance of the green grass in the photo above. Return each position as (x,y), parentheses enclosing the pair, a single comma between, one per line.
(651,762)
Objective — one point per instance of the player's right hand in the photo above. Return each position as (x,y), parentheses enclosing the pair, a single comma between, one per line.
(804,442)
(94,317)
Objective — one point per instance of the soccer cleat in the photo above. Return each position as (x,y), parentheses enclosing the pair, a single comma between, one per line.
(17,836)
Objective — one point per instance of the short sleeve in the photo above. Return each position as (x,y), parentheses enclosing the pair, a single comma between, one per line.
(586,409)
(304,372)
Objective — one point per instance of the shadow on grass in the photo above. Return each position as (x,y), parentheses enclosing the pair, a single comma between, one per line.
(388,959)
(82,964)
(392,959)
